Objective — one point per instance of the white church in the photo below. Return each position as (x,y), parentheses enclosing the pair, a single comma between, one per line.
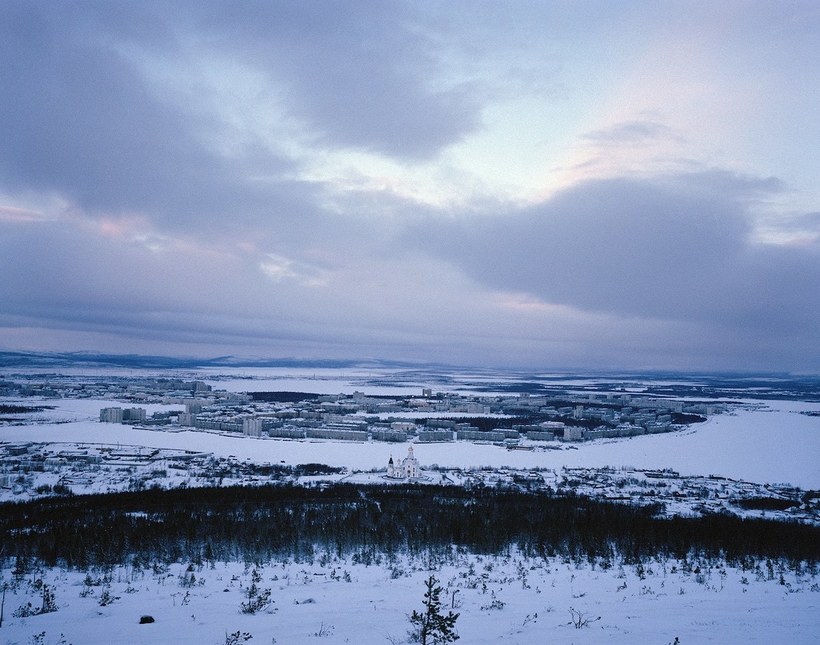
(407,468)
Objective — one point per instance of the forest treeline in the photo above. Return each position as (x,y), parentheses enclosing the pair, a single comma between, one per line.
(266,523)
(21,409)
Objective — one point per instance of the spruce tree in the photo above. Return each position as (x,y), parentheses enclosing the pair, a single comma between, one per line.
(430,626)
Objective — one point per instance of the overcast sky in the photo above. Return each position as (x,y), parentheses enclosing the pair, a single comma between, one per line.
(532,184)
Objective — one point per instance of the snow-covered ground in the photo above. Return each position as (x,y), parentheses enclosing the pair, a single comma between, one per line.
(768,443)
(500,600)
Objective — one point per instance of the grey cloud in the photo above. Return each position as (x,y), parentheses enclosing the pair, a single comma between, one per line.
(810,220)
(776,288)
(59,277)
(630,132)
(79,120)
(640,249)
(82,122)
(718,184)
(806,225)
(65,278)
(362,75)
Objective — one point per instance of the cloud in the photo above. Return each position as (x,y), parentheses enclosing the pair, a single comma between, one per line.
(295,172)
(719,184)
(363,75)
(644,249)
(20,215)
(79,119)
(607,274)
(279,268)
(629,132)
(113,108)
(796,229)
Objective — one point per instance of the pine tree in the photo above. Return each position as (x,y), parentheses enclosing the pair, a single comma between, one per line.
(431,627)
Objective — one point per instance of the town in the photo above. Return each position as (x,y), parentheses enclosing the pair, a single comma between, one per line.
(513,422)
(433,418)
(518,420)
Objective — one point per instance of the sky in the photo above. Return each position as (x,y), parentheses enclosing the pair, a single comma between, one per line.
(544,184)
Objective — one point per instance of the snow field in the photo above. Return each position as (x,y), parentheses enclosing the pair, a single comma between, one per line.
(509,599)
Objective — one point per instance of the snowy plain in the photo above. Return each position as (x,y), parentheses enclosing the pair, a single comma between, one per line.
(500,600)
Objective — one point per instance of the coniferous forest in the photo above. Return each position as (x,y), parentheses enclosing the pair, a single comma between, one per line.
(259,524)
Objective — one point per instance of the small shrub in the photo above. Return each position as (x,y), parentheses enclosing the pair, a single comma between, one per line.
(581,619)
(187,579)
(256,603)
(257,599)
(495,604)
(324,630)
(24,611)
(106,598)
(49,603)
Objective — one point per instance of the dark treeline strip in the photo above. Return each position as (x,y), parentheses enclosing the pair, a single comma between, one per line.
(486,423)
(270,522)
(766,503)
(21,409)
(283,397)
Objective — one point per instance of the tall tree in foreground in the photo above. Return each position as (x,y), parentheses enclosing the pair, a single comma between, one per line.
(430,626)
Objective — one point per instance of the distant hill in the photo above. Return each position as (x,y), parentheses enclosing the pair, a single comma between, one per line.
(65,359)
